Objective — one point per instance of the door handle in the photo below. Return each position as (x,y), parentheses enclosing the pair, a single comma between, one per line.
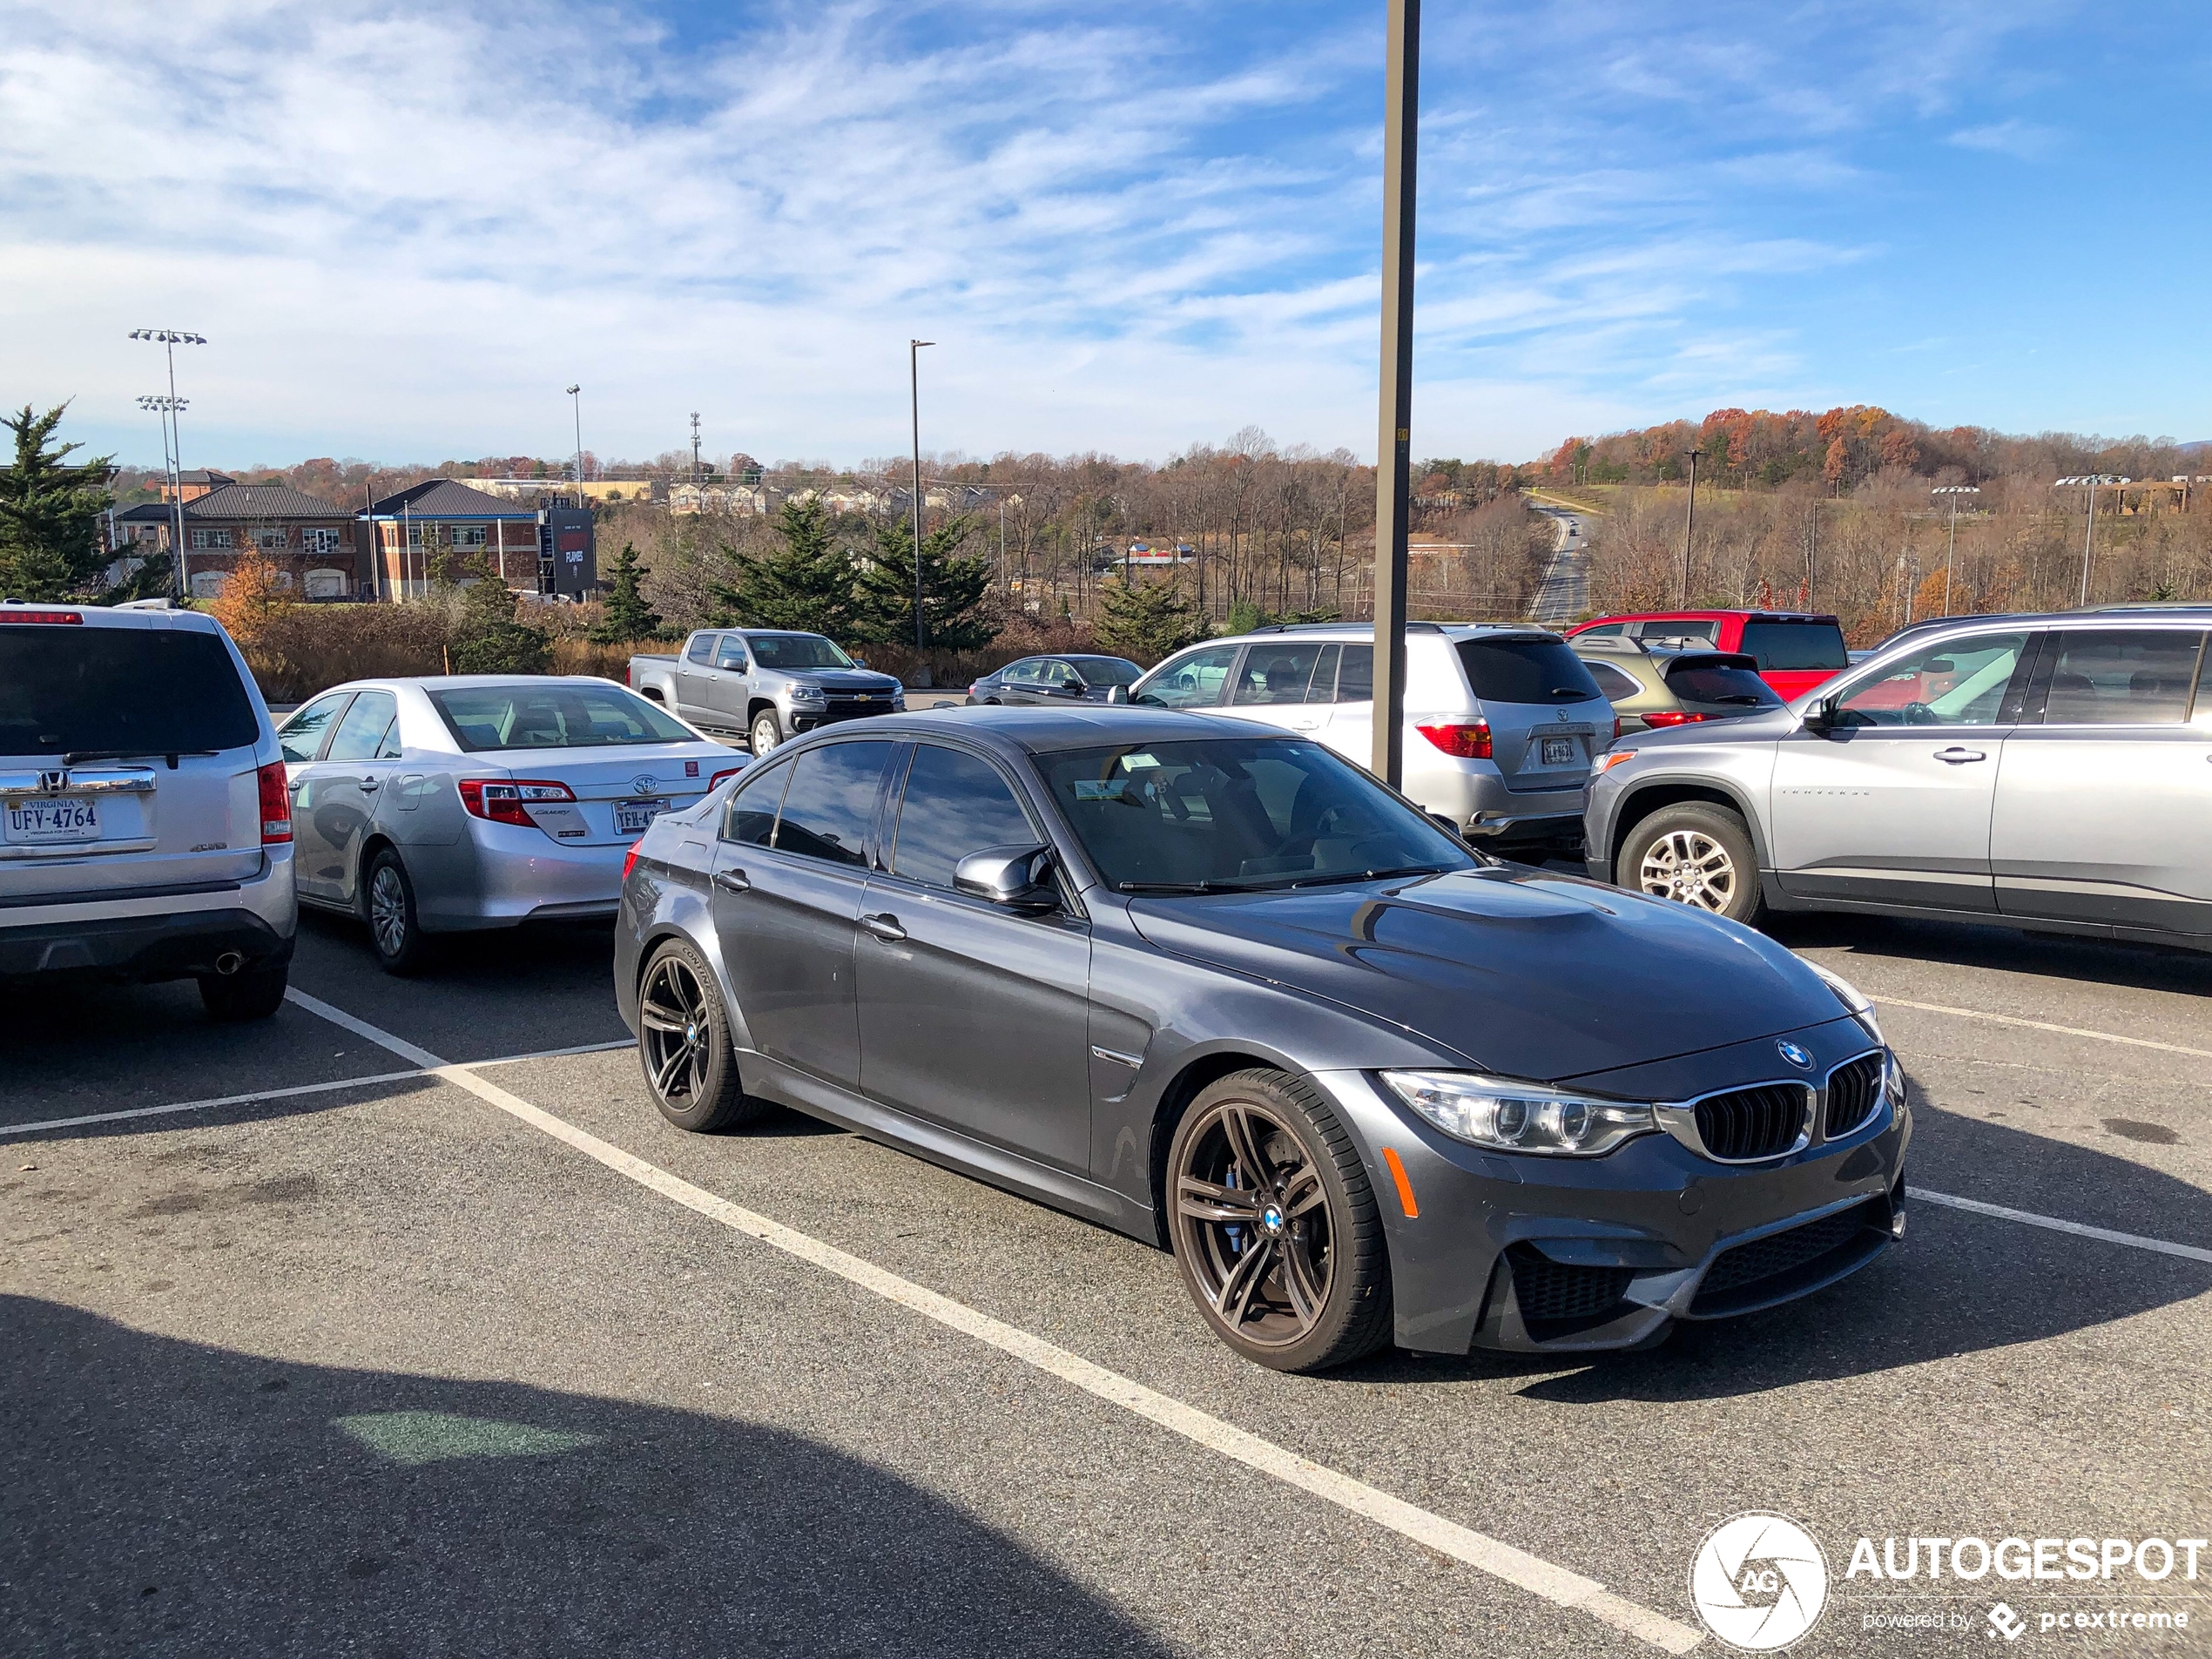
(372,783)
(732,881)
(885,927)
(1955,756)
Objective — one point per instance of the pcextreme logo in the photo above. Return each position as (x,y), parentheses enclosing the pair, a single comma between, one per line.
(1758,1581)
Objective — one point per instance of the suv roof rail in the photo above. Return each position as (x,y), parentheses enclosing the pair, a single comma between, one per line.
(1316,627)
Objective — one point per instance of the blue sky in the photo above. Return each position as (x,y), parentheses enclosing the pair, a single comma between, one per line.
(405,227)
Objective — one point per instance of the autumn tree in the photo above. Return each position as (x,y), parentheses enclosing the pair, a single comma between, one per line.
(256,596)
(50,511)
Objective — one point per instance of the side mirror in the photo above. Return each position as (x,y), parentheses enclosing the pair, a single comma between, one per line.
(1018,877)
(859,662)
(1821,717)
(1117,694)
(1074,688)
(1445,824)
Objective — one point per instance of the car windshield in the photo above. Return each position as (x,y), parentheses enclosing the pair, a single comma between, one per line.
(1233,814)
(1106,670)
(797,650)
(120,691)
(1526,671)
(1796,644)
(549,715)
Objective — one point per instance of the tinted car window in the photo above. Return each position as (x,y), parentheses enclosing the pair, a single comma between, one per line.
(1796,644)
(798,651)
(832,801)
(1356,678)
(1610,680)
(750,816)
(702,647)
(1281,674)
(1192,681)
(1525,671)
(955,804)
(1234,814)
(361,734)
(1702,631)
(1021,673)
(1710,682)
(552,716)
(2122,677)
(142,690)
(730,653)
(1961,683)
(1108,670)
(301,739)
(1602,628)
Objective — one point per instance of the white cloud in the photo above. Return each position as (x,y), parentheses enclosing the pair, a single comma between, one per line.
(2023,140)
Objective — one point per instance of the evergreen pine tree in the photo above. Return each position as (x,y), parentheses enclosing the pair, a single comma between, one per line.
(806,584)
(628,616)
(953,590)
(485,637)
(50,511)
(1147,618)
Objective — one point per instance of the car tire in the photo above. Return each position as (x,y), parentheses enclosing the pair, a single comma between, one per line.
(1695,853)
(766,732)
(395,928)
(252,994)
(1306,1250)
(684,1046)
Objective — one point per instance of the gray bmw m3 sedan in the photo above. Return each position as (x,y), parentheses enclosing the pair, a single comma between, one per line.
(1222,990)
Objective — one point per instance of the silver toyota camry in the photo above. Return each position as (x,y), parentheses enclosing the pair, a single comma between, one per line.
(449,804)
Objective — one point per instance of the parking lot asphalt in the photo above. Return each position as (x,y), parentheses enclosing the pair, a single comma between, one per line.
(391,1368)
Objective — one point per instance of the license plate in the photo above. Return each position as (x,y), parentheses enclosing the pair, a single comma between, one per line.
(631,816)
(64,818)
(1559,751)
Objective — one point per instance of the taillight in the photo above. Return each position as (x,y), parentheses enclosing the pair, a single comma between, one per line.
(276,804)
(630,860)
(11,614)
(721,777)
(1673,717)
(1616,728)
(502,801)
(1462,742)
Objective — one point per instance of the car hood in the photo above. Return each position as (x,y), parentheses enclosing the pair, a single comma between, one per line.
(840,679)
(1525,973)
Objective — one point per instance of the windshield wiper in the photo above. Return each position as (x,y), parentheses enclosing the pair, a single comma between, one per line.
(1181,886)
(1372,875)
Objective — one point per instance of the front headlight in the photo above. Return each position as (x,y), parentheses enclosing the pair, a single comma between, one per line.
(1852,997)
(1520,1117)
(805,694)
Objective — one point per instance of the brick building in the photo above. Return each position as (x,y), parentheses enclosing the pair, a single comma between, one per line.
(534,549)
(313,543)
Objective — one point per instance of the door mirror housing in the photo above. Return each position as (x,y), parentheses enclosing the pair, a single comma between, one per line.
(1821,718)
(859,662)
(1018,877)
(1074,688)
(1117,694)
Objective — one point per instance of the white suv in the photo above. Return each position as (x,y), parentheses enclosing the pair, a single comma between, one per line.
(145,831)
(1501,721)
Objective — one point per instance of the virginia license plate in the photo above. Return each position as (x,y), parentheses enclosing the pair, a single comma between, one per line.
(630,816)
(63,818)
(1559,751)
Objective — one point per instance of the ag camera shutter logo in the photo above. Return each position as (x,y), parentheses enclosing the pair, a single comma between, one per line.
(1758,1581)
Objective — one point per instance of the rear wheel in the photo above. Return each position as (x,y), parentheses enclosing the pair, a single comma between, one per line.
(767,732)
(1274,1224)
(253,994)
(1698,854)
(684,1044)
(388,899)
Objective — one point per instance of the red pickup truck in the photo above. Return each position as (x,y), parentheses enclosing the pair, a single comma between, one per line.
(1795,651)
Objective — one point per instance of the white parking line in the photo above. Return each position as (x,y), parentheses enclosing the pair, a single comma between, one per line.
(2043,1025)
(2135,1241)
(1554,1584)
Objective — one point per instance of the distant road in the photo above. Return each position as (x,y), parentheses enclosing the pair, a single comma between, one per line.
(1563,592)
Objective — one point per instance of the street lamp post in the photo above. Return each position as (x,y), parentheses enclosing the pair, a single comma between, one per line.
(1690,524)
(166,408)
(914,400)
(169,340)
(1951,547)
(576,403)
(1394,400)
(2089,535)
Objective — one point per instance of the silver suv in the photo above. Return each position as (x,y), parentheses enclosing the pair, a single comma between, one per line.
(145,831)
(2049,771)
(1501,722)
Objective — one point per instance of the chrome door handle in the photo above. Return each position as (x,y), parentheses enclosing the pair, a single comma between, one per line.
(372,783)
(732,881)
(1955,756)
(884,928)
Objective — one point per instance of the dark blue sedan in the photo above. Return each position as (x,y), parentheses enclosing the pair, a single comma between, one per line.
(1054,680)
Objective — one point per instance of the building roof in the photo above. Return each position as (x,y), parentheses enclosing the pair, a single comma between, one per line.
(261,502)
(145,509)
(443,498)
(212,479)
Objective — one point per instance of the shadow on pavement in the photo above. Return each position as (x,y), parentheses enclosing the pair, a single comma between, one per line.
(162,1496)
(2004,948)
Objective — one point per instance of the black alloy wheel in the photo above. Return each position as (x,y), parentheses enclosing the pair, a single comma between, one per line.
(1274,1224)
(684,1044)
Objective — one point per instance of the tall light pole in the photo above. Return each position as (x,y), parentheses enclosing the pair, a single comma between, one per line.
(1394,397)
(2090,535)
(166,407)
(914,398)
(576,403)
(1951,547)
(169,340)
(1690,524)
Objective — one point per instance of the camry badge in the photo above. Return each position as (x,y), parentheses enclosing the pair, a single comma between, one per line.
(1797,1057)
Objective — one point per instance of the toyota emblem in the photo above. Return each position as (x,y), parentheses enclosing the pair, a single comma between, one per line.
(1797,1057)
(644,783)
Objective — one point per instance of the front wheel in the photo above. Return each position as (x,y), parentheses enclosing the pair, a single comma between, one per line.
(1274,1224)
(684,1044)
(767,732)
(1698,854)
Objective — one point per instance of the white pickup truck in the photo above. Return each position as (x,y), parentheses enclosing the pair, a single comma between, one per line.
(763,685)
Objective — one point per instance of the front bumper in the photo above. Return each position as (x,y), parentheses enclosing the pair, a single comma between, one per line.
(1572,1255)
(803,717)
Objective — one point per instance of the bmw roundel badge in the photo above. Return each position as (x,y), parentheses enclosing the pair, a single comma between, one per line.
(1797,1057)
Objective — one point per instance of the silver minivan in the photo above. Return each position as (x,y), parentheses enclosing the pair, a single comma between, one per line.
(146,833)
(2053,770)
(1502,721)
